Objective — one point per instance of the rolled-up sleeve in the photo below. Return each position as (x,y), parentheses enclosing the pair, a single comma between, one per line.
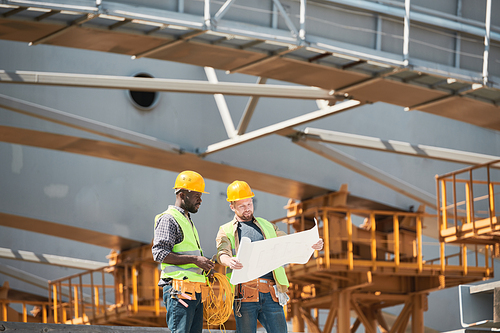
(167,234)
(223,244)
(279,232)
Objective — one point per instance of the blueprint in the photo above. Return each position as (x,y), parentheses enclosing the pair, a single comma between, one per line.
(261,257)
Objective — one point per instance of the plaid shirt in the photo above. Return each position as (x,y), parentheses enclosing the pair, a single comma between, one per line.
(167,234)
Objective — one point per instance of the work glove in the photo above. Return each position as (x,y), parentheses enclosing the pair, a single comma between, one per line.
(282,297)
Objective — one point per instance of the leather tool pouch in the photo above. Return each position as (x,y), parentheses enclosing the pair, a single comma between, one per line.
(249,293)
(204,293)
(185,288)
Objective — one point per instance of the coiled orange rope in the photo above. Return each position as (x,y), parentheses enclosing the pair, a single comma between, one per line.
(217,308)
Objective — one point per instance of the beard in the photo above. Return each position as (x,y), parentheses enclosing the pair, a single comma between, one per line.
(247,216)
(191,207)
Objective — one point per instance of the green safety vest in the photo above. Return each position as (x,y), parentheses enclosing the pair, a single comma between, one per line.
(269,232)
(188,246)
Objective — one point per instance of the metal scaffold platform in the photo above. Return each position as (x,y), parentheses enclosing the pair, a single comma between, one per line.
(372,265)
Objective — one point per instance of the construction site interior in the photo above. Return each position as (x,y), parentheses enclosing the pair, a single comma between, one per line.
(364,267)
(375,256)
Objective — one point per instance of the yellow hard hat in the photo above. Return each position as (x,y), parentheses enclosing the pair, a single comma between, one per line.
(190,180)
(239,190)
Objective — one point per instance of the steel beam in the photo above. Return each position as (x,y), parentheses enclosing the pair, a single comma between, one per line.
(221,104)
(370,172)
(155,84)
(285,16)
(25,277)
(250,108)
(85,124)
(36,281)
(398,147)
(50,259)
(281,126)
(222,10)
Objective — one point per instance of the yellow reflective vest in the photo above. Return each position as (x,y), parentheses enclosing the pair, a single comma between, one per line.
(269,232)
(188,246)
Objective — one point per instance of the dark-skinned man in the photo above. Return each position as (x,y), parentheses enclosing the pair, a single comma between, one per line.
(176,246)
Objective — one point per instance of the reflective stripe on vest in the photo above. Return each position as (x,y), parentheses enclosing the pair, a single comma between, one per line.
(269,232)
(188,246)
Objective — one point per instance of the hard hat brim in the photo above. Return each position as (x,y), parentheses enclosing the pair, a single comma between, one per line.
(182,188)
(251,196)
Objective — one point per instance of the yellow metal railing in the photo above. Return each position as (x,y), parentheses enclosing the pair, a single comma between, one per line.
(395,257)
(74,300)
(459,194)
(4,304)
(83,298)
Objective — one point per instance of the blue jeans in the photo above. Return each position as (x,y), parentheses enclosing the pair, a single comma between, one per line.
(181,319)
(268,312)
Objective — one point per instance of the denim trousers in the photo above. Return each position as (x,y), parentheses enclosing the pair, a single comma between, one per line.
(181,319)
(269,313)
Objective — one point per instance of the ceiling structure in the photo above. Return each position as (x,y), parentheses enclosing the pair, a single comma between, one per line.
(344,75)
(293,56)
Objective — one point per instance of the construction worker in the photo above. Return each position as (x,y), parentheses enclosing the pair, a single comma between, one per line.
(176,246)
(261,299)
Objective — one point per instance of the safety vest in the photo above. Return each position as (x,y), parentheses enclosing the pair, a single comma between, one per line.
(269,232)
(188,246)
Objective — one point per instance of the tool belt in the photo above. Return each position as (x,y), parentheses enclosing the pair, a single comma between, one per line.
(185,289)
(249,291)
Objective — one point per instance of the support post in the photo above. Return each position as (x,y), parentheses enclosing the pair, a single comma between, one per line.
(486,41)
(207,15)
(406,34)
(344,312)
(297,320)
(302,31)
(396,242)
(417,316)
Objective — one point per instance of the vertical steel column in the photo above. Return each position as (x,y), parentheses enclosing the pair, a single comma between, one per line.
(326,236)
(486,41)
(419,240)
(491,196)
(157,293)
(4,312)
(135,296)
(350,256)
(302,31)
(70,308)
(75,306)
(378,36)
(344,312)
(373,241)
(55,294)
(406,34)
(417,315)
(458,38)
(274,19)
(395,229)
(207,15)
(180,6)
